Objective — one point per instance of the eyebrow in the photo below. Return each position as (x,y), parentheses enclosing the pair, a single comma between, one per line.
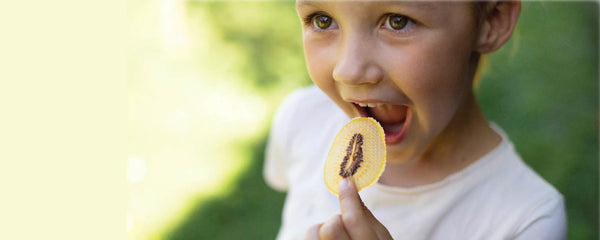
(426,5)
(301,4)
(421,5)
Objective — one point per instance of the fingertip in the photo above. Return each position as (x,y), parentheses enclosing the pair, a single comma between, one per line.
(343,185)
(349,198)
(346,184)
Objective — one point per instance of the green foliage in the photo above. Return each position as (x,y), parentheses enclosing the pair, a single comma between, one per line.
(251,211)
(542,88)
(268,36)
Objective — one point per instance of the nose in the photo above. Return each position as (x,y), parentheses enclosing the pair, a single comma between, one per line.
(356,63)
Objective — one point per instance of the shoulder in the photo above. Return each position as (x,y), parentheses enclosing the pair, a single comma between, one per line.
(302,109)
(304,100)
(520,181)
(542,214)
(298,122)
(504,198)
(524,200)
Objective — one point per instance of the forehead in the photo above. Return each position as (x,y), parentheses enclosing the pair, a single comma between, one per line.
(426,5)
(422,11)
(428,13)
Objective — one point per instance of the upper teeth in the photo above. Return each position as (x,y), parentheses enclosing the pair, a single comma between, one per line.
(371,105)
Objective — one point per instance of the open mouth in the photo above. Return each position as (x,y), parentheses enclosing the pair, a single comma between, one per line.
(393,118)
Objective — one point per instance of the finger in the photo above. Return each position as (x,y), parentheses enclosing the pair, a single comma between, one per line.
(349,199)
(356,217)
(334,229)
(313,232)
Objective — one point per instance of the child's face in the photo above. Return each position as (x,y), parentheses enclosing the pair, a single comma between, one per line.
(413,61)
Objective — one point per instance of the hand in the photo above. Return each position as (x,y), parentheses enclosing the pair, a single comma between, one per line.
(355,222)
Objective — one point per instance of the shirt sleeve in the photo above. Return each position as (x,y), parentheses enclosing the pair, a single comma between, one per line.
(277,157)
(548,221)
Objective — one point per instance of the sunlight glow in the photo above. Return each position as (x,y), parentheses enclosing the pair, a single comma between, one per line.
(136,170)
(172,25)
(128,222)
(187,115)
(177,122)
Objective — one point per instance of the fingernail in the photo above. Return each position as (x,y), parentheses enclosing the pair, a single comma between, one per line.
(344,184)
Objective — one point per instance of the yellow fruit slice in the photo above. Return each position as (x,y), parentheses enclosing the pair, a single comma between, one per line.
(358,151)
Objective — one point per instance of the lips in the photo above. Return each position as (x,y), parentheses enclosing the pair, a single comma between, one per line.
(393,118)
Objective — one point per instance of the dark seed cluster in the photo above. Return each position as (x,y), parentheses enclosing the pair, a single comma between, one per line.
(357,156)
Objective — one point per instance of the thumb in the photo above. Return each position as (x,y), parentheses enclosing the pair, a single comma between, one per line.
(350,201)
(356,215)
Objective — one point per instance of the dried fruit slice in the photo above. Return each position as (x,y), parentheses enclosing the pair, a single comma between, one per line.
(358,151)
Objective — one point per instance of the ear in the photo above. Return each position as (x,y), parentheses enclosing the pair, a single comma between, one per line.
(498,21)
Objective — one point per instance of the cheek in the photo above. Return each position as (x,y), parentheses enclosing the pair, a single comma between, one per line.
(318,61)
(434,76)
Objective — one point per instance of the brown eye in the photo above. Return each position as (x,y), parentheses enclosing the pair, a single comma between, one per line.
(396,22)
(322,21)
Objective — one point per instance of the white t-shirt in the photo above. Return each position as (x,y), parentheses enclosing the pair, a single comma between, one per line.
(496,197)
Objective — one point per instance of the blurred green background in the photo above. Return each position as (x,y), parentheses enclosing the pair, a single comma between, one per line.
(206,77)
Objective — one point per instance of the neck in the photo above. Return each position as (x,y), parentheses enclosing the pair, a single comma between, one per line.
(467,138)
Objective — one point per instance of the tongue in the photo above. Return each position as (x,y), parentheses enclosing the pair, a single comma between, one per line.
(389,113)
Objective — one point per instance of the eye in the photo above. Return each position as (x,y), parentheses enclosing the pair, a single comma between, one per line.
(323,22)
(396,22)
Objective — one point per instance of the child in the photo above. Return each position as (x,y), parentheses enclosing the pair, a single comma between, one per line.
(450,174)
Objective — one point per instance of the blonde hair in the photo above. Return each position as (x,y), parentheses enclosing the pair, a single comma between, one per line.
(478,8)
(483,66)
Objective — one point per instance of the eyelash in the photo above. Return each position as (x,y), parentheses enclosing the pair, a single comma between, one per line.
(308,20)
(409,21)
